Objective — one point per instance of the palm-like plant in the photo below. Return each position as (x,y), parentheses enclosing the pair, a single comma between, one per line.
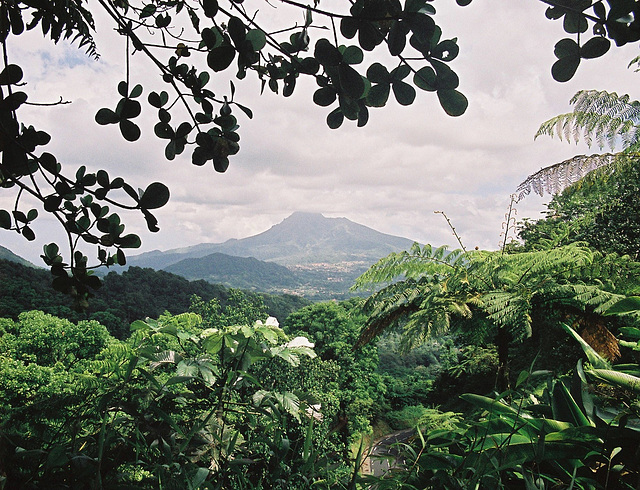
(485,295)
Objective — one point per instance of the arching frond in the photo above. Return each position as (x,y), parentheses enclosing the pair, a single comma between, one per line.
(413,264)
(598,115)
(557,177)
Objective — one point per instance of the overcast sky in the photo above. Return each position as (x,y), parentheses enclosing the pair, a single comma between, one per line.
(390,175)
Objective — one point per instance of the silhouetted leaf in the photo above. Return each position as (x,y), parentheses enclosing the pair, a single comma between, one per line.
(155,196)
(106,116)
(130,130)
(11,75)
(453,102)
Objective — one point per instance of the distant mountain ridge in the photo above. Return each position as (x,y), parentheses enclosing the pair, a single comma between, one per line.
(305,254)
(6,254)
(301,239)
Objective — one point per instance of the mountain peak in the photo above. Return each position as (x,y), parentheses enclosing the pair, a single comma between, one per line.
(304,215)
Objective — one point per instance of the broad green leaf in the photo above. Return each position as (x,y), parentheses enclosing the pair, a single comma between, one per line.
(594,358)
(565,407)
(623,380)
(627,305)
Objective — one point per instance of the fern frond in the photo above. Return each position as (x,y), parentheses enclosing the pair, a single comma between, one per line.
(413,264)
(600,116)
(557,177)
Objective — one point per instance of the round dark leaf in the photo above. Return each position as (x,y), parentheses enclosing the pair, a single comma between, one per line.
(446,50)
(378,95)
(11,75)
(210,8)
(400,73)
(397,38)
(129,241)
(5,219)
(463,3)
(164,131)
(130,130)
(351,81)
(352,55)
(378,73)
(200,156)
(257,38)
(155,196)
(128,109)
(221,164)
(446,78)
(369,36)
(221,57)
(52,203)
(154,99)
(324,96)
(566,47)
(425,78)
(121,258)
(123,88)
(405,94)
(106,116)
(453,102)
(564,69)
(335,119)
(170,150)
(363,116)
(326,53)
(595,47)
(136,92)
(349,27)
(13,101)
(28,233)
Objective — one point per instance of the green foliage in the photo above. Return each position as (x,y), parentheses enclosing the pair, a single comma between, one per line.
(176,406)
(348,387)
(133,294)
